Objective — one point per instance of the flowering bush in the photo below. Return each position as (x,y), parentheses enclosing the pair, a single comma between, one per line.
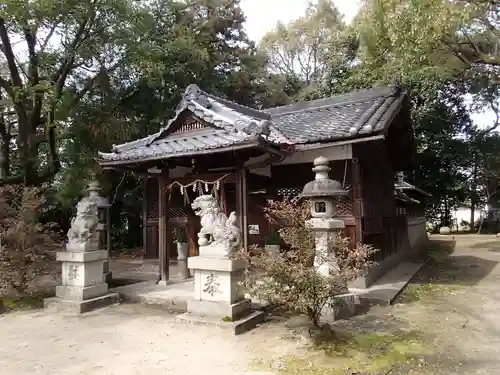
(291,279)
(27,247)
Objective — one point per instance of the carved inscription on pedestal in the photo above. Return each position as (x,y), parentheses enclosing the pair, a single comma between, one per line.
(73,272)
(211,285)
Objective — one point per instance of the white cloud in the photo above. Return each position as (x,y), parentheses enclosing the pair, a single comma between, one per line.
(262,15)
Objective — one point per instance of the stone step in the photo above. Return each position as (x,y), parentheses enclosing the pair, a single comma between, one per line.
(173,297)
(242,325)
(80,307)
(386,289)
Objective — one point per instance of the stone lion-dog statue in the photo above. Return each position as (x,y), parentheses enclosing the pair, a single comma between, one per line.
(216,228)
(83,225)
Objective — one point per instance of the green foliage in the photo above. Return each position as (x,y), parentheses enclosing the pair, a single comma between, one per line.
(181,45)
(180,235)
(421,46)
(67,48)
(305,50)
(273,238)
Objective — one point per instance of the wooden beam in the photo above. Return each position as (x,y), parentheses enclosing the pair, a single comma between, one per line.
(207,177)
(163,229)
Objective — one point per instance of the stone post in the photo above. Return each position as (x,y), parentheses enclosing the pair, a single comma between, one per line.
(182,257)
(103,226)
(217,296)
(82,287)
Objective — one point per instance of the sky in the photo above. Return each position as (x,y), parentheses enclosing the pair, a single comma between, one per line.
(262,15)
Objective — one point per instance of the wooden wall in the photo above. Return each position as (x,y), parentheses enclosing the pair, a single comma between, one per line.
(374,205)
(294,177)
(369,211)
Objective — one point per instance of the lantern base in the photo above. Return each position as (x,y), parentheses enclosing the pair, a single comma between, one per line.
(327,225)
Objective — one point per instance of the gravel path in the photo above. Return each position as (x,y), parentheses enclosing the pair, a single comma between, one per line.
(127,339)
(133,339)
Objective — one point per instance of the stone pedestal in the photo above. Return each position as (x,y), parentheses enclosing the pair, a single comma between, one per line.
(323,229)
(82,286)
(218,299)
(107,275)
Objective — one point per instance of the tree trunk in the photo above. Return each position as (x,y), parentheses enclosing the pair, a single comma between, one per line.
(473,196)
(472,214)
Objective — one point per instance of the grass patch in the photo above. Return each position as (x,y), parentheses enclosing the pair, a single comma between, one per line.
(425,292)
(373,353)
(438,277)
(25,302)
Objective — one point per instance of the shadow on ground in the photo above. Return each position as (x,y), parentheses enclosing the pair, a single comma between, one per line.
(446,272)
(490,245)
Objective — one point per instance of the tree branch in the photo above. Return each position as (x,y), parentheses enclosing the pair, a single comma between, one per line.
(90,82)
(9,55)
(46,40)
(33,77)
(7,87)
(66,66)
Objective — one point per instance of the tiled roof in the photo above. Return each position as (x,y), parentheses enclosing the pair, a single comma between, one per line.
(403,185)
(180,145)
(233,126)
(352,115)
(404,198)
(348,116)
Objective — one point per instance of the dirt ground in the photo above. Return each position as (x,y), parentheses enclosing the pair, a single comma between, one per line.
(446,322)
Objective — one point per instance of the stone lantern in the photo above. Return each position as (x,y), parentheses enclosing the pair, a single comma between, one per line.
(324,194)
(103,227)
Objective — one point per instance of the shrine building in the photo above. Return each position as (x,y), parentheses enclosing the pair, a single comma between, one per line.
(245,157)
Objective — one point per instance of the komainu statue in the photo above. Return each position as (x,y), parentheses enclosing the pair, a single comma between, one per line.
(217,231)
(84,224)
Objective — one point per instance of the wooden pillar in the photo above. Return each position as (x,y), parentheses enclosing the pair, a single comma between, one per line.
(242,203)
(163,229)
(145,198)
(192,232)
(357,199)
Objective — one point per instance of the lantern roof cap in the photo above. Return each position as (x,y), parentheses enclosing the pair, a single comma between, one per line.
(322,185)
(93,188)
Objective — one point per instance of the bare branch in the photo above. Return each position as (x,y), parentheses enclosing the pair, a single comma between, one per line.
(46,40)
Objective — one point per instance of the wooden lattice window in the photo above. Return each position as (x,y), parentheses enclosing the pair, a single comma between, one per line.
(289,192)
(344,207)
(152,204)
